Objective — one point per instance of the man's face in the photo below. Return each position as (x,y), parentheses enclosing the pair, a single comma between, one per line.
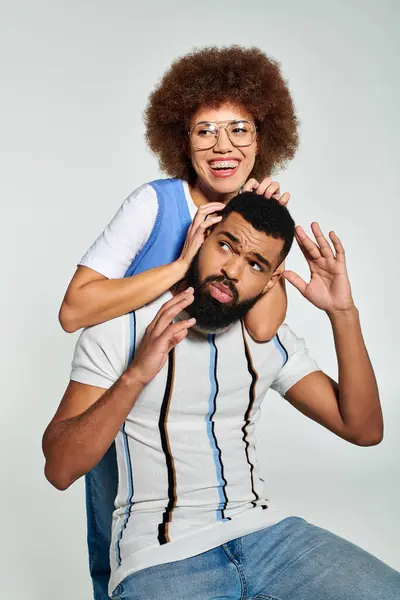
(233,269)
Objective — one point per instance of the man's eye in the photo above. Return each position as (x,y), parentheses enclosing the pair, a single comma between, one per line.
(224,246)
(256,267)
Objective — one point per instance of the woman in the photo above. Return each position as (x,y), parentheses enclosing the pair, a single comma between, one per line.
(218,119)
(208,85)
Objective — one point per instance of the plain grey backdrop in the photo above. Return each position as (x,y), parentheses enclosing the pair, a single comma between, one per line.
(75,78)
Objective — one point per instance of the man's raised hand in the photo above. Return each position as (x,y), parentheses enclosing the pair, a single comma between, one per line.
(160,337)
(329,287)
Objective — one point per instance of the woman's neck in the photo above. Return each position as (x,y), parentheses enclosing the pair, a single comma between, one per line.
(202,194)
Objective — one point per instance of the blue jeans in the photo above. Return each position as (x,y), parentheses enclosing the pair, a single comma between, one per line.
(101,490)
(292,560)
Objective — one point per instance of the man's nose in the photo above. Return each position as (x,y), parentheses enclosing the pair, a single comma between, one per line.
(223,143)
(232,269)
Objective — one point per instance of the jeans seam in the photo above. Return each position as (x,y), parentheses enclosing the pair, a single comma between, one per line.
(94,524)
(264,597)
(116,594)
(239,569)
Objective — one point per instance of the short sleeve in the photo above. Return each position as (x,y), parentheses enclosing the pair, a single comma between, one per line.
(298,363)
(125,236)
(101,353)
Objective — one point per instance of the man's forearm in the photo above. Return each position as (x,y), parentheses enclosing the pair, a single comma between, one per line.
(74,446)
(359,403)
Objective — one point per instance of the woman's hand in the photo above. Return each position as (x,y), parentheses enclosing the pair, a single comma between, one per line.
(196,234)
(267,188)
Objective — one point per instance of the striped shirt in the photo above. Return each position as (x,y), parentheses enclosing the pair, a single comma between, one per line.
(189,478)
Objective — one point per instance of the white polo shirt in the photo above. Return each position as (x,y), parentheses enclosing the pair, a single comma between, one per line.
(188,472)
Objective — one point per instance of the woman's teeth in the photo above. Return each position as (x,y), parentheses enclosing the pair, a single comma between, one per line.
(226,164)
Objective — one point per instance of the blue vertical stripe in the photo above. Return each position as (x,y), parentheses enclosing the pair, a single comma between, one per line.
(129,500)
(281,348)
(210,429)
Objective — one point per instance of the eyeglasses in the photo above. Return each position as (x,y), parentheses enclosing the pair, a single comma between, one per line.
(205,135)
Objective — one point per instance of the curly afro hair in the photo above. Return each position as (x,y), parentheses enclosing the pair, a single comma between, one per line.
(210,77)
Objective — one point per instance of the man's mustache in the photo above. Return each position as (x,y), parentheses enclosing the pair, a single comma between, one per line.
(222,279)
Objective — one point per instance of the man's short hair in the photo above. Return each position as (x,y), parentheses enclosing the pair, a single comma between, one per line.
(264,215)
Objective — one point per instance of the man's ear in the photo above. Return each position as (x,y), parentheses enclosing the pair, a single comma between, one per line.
(276,275)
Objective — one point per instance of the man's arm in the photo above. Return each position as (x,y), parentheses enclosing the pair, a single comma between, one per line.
(84,427)
(351,408)
(89,417)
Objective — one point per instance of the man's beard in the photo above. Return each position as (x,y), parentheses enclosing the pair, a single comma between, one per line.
(210,314)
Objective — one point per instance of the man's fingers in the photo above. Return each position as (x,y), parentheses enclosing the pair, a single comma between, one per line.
(178,337)
(295,280)
(174,333)
(170,313)
(322,242)
(188,293)
(339,249)
(305,242)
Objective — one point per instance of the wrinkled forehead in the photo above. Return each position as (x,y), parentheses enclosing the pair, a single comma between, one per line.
(248,238)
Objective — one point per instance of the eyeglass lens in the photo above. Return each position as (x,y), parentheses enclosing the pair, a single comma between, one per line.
(240,133)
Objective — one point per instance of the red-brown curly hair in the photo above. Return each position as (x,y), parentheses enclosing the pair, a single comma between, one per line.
(210,77)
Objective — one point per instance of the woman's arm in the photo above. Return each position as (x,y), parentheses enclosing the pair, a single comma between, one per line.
(268,314)
(92,298)
(265,318)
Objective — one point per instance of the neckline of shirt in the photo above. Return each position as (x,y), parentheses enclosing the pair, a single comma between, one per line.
(191,205)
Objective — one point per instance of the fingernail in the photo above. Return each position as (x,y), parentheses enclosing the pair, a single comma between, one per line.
(193,320)
(189,290)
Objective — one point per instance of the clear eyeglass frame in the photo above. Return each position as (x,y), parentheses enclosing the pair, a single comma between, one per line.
(218,128)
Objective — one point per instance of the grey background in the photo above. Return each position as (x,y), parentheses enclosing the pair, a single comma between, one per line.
(75,79)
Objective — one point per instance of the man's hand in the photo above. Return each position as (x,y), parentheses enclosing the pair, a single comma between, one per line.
(197,231)
(329,287)
(160,337)
(267,188)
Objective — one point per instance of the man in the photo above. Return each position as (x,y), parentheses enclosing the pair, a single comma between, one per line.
(179,384)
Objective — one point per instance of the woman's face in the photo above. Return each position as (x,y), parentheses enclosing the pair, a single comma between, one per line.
(212,176)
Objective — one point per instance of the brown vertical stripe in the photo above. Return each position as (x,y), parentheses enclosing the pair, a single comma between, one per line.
(252,395)
(163,536)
